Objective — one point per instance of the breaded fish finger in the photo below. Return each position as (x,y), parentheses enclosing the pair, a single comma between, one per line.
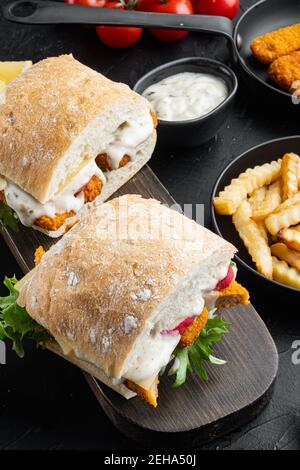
(272,45)
(285,70)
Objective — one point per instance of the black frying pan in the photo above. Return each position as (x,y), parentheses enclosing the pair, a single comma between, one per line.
(265,16)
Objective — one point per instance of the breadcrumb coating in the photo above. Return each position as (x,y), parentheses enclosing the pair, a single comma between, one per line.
(124,161)
(38,254)
(275,44)
(285,70)
(102,161)
(53,223)
(193,331)
(149,395)
(232,295)
(154,119)
(92,189)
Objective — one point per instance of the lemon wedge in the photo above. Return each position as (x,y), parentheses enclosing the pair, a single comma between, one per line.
(10,70)
(2,85)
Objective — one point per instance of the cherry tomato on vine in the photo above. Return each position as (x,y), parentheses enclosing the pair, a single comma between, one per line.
(227,8)
(167,6)
(119,36)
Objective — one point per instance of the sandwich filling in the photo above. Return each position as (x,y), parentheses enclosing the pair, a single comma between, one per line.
(176,342)
(68,201)
(86,185)
(158,345)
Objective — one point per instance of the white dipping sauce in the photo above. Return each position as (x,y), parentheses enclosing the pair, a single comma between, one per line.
(186,95)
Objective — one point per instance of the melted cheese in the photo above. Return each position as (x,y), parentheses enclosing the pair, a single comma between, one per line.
(28,209)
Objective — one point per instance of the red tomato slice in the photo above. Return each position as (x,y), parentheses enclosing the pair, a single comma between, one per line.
(227,279)
(179,328)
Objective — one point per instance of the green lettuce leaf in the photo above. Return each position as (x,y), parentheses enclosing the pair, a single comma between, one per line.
(192,358)
(15,323)
(8,218)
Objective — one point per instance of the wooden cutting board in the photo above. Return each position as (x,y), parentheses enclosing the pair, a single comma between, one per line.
(198,411)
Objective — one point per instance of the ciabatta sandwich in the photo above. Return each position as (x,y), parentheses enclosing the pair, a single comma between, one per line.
(131,289)
(68,137)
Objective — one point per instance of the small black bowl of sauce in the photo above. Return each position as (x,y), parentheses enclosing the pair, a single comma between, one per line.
(191,98)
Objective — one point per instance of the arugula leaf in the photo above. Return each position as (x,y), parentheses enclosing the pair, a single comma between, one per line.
(193,357)
(197,360)
(8,217)
(15,323)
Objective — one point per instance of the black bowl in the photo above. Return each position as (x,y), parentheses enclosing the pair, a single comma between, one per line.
(258,155)
(199,130)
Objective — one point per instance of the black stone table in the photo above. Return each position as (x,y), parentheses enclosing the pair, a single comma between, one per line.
(45,403)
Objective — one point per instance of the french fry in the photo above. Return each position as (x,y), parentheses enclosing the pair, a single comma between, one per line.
(269,204)
(257,197)
(287,203)
(283,219)
(289,173)
(253,239)
(292,257)
(290,237)
(296,227)
(263,229)
(253,178)
(284,274)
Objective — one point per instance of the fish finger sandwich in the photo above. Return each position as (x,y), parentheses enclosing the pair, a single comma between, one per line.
(69,138)
(132,290)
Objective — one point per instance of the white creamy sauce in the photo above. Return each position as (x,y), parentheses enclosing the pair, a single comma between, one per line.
(156,349)
(186,95)
(29,209)
(127,138)
(219,272)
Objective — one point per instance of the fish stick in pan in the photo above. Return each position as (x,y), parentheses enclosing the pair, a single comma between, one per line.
(285,71)
(272,45)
